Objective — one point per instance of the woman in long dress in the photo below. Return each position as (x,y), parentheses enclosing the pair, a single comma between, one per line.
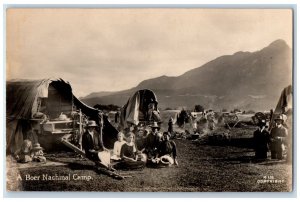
(129,157)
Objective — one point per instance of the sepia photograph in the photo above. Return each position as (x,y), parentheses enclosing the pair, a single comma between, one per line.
(144,99)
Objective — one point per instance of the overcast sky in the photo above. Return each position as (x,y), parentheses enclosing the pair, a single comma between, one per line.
(115,49)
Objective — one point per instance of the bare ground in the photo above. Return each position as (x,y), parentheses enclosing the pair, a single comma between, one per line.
(202,168)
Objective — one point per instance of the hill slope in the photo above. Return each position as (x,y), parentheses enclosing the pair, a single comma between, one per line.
(243,80)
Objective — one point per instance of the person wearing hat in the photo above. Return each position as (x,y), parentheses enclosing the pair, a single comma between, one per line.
(152,141)
(92,143)
(38,154)
(261,139)
(278,138)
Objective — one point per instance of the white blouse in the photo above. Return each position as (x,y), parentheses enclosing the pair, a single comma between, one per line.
(117,148)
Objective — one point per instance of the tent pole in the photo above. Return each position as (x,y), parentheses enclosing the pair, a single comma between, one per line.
(65,141)
(101,129)
(80,129)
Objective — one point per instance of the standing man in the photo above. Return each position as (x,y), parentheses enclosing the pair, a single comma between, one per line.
(170,126)
(261,140)
(117,116)
(211,120)
(278,138)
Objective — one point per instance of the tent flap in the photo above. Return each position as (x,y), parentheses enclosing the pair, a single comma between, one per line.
(22,102)
(136,107)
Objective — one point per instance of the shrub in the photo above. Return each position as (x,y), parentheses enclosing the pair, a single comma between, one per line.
(110,107)
(199,108)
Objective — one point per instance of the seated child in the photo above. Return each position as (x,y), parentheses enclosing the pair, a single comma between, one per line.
(24,155)
(117,147)
(38,154)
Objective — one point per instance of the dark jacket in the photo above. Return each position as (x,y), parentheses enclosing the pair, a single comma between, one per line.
(170,127)
(151,143)
(279,132)
(127,151)
(261,140)
(88,143)
(167,148)
(278,137)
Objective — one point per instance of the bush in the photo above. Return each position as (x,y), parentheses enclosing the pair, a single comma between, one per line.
(110,107)
(199,108)
(236,110)
(250,111)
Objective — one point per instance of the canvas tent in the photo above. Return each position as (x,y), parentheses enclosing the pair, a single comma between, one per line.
(136,108)
(24,98)
(285,106)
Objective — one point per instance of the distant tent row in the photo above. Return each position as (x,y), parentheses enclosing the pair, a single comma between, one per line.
(24,98)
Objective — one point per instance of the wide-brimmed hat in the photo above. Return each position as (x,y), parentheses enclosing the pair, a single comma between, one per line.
(37,147)
(91,124)
(155,125)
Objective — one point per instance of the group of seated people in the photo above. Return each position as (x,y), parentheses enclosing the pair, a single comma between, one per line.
(143,148)
(151,148)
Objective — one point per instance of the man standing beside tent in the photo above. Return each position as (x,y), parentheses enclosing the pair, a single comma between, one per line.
(278,138)
(285,107)
(261,138)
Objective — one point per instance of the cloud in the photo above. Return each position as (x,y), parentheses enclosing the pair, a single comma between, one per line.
(115,49)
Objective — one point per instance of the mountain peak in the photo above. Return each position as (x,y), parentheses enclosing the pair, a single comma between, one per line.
(234,76)
(278,43)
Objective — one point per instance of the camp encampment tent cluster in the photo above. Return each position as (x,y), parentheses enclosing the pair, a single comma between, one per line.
(48,108)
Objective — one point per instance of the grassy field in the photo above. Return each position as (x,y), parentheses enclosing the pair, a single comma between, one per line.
(203,167)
